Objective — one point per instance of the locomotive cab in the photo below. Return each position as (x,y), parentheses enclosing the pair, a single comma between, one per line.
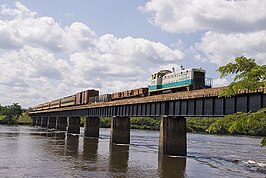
(156,79)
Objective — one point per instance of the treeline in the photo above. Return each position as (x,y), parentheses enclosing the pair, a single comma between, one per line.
(239,123)
(13,114)
(148,123)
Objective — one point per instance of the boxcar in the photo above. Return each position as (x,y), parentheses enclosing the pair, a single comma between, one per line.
(68,101)
(130,93)
(55,104)
(83,97)
(46,105)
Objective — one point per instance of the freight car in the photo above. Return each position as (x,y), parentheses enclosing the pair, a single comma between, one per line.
(78,99)
(100,98)
(130,93)
(68,101)
(83,97)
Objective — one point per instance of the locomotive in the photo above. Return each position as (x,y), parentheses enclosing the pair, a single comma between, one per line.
(186,79)
(164,81)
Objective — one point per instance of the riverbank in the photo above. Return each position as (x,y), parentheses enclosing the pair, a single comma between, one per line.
(194,125)
(23,119)
(237,124)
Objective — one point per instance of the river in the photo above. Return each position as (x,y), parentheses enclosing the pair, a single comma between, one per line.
(35,152)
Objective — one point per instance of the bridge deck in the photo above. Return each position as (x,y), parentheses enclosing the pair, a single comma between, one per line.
(202,93)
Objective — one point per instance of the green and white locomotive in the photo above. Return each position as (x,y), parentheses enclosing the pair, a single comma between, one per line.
(166,81)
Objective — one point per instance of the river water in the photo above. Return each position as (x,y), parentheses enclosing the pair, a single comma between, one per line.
(34,152)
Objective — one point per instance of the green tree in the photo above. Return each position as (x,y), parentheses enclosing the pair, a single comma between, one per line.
(11,113)
(241,123)
(248,76)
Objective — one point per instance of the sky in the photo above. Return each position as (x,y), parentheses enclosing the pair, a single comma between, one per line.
(52,49)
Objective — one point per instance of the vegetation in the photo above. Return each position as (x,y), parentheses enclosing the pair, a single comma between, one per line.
(10,114)
(195,124)
(82,121)
(248,76)
(241,123)
(105,122)
(135,123)
(24,119)
(145,123)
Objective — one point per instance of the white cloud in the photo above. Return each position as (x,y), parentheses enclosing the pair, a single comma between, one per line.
(220,82)
(182,16)
(29,71)
(230,28)
(223,48)
(32,69)
(79,37)
(20,11)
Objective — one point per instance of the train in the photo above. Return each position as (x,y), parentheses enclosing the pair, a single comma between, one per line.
(163,81)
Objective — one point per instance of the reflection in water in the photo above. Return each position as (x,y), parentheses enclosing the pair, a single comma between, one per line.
(118,158)
(171,166)
(32,152)
(72,145)
(60,138)
(90,148)
(50,134)
(90,155)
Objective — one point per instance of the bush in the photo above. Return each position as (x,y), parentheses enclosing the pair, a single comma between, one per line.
(195,124)
(135,123)
(241,123)
(2,119)
(150,123)
(10,120)
(24,119)
(105,122)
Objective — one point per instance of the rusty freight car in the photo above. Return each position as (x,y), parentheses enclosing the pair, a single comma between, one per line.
(130,93)
(83,97)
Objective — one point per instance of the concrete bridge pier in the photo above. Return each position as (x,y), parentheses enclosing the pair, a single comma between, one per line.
(61,123)
(120,130)
(74,125)
(91,127)
(38,121)
(173,136)
(51,122)
(44,121)
(33,121)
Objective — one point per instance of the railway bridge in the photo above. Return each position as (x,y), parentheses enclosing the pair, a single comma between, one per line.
(173,108)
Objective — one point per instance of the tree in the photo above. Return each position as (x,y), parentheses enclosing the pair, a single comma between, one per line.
(248,76)
(11,113)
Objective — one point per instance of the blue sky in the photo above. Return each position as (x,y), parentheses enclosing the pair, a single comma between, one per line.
(50,49)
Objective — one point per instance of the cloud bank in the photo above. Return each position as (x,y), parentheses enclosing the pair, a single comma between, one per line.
(41,60)
(230,27)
